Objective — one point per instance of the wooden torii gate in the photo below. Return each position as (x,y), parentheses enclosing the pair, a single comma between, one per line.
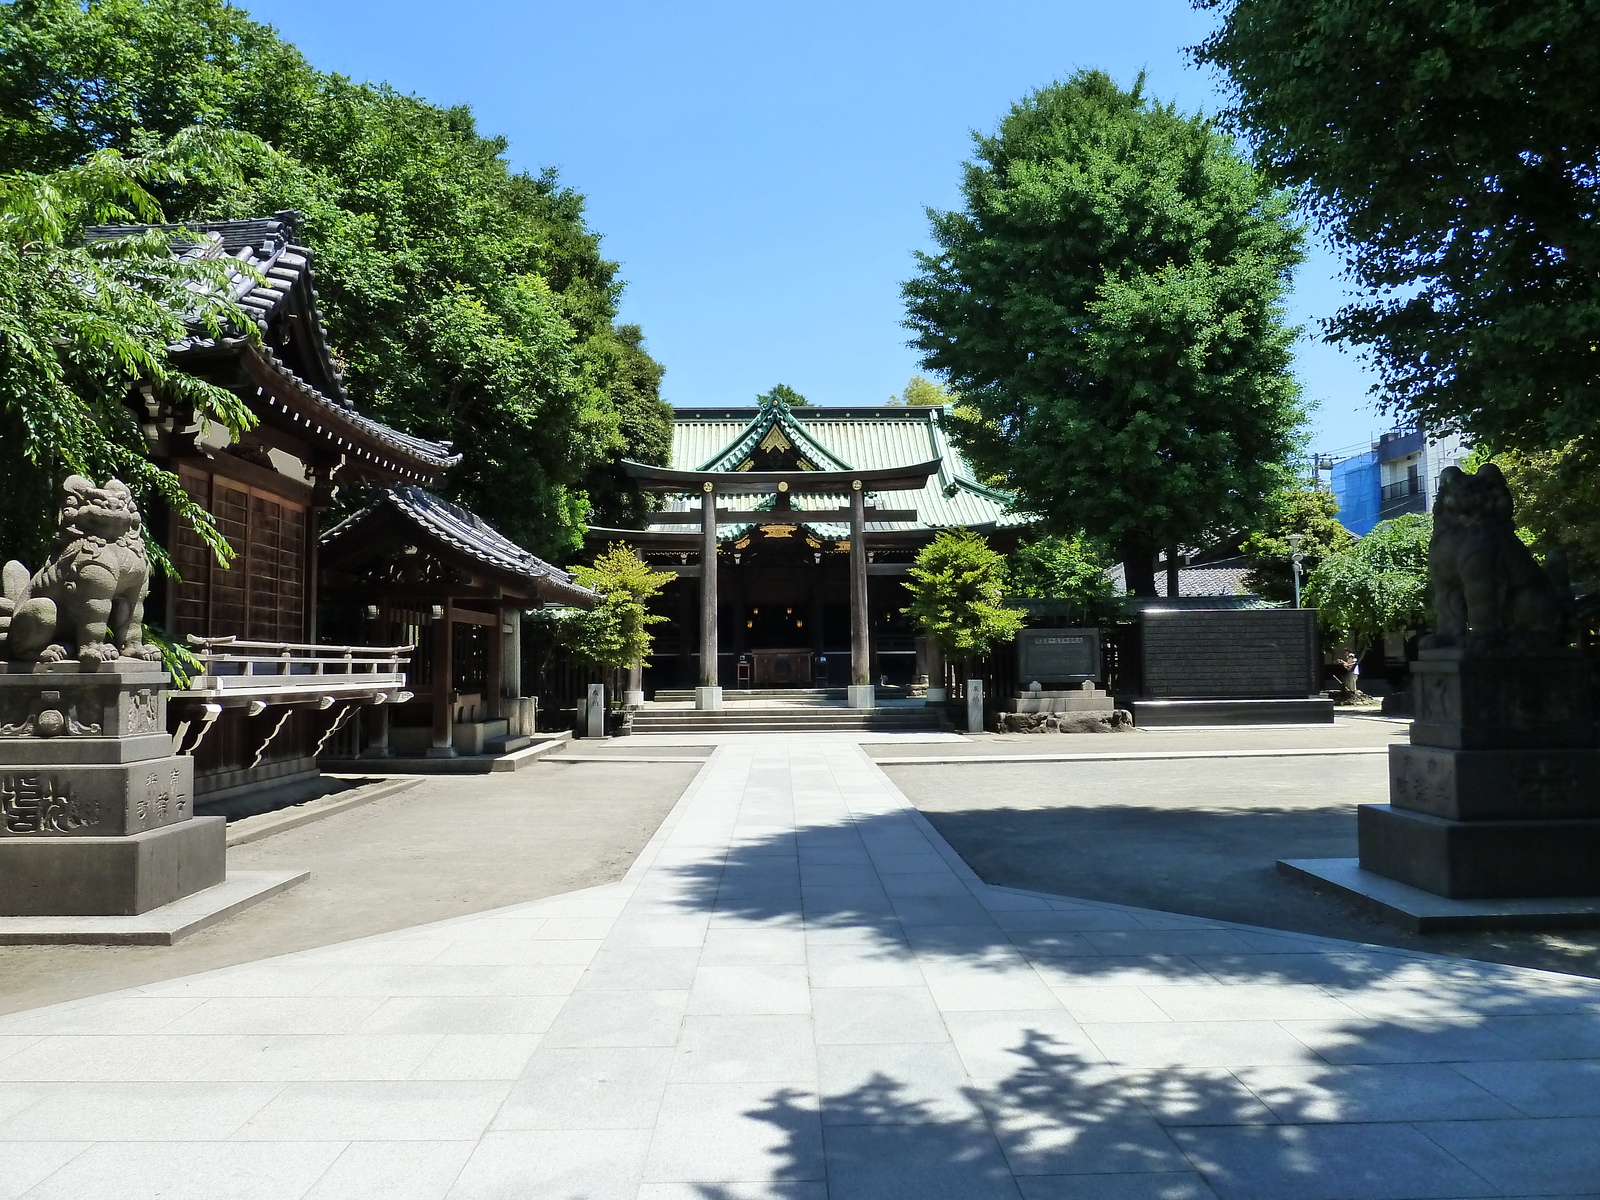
(708,485)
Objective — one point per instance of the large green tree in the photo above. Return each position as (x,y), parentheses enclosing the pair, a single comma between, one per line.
(1453,149)
(1309,513)
(464,301)
(1072,569)
(1376,587)
(922,392)
(83,324)
(1108,306)
(784,393)
(1557,498)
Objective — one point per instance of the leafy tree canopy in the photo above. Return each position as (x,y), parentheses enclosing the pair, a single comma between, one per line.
(82,324)
(1108,304)
(1309,512)
(616,634)
(958,586)
(1376,587)
(1557,502)
(1453,148)
(464,301)
(922,392)
(784,393)
(1058,568)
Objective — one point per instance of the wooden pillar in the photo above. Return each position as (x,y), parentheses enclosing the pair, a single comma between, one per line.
(709,678)
(494,656)
(444,672)
(860,692)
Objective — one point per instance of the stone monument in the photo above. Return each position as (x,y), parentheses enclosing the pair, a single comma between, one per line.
(96,811)
(1065,657)
(1498,794)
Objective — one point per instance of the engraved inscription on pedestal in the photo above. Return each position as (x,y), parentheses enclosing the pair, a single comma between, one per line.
(35,802)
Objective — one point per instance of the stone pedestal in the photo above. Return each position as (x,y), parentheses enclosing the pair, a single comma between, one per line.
(1499,793)
(96,812)
(861,695)
(1086,698)
(708,699)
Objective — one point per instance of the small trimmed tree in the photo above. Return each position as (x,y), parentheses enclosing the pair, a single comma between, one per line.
(616,634)
(1312,514)
(1378,586)
(958,586)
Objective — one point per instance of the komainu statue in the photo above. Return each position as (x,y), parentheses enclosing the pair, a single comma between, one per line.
(89,600)
(1488,590)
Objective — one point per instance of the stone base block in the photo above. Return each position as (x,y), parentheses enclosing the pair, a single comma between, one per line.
(1480,859)
(1156,714)
(861,695)
(708,699)
(163,926)
(1423,912)
(1062,703)
(100,800)
(110,876)
(1112,720)
(1479,701)
(1495,785)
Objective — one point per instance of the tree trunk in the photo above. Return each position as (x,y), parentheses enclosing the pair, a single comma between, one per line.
(1172,572)
(1139,565)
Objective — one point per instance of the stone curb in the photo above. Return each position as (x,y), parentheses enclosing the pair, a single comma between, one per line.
(253,829)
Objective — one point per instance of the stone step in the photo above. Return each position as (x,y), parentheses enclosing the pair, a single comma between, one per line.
(785,720)
(507,743)
(669,695)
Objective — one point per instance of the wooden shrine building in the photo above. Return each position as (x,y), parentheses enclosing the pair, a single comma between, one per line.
(428,573)
(791,531)
(271,690)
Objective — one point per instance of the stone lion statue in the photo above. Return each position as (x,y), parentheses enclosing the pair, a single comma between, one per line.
(89,599)
(1488,590)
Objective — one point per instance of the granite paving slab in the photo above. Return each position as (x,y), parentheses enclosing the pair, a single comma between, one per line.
(799,990)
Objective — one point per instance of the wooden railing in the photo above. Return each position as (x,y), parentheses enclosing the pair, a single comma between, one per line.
(237,669)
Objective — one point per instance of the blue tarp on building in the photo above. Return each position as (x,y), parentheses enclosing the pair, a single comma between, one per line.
(1356,487)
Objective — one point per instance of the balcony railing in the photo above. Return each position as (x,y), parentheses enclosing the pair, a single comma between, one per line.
(287,675)
(1401,488)
(234,671)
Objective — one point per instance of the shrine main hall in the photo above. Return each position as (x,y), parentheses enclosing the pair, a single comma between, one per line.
(791,531)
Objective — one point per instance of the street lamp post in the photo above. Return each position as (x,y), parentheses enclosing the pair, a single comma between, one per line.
(1296,558)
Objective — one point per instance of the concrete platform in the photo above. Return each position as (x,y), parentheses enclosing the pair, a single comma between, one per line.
(465,764)
(1156,714)
(1423,912)
(160,926)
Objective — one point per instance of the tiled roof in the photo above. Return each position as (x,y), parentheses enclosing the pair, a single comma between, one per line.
(859,438)
(266,244)
(1204,580)
(470,535)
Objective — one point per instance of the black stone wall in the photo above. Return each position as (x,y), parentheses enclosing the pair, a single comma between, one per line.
(1230,654)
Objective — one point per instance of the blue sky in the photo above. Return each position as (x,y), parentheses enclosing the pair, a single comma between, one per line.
(760,170)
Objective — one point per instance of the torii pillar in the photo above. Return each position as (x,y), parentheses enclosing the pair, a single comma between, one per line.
(708,696)
(861,693)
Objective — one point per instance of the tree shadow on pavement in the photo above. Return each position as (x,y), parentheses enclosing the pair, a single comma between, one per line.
(1184,1053)
(1219,864)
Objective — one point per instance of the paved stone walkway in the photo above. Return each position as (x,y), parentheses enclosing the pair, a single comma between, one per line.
(799,991)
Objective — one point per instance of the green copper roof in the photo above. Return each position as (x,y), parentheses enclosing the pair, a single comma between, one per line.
(842,439)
